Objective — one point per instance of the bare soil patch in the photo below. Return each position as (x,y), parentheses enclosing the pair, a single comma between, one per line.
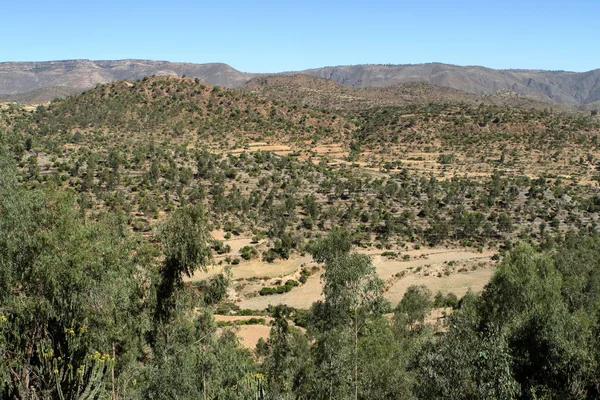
(256,269)
(249,335)
(446,270)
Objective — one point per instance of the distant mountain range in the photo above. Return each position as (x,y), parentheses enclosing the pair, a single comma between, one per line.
(37,82)
(43,81)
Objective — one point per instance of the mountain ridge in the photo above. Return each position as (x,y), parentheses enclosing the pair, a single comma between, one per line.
(561,87)
(23,77)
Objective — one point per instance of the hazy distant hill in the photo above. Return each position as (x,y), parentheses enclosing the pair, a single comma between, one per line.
(42,81)
(41,95)
(78,75)
(556,86)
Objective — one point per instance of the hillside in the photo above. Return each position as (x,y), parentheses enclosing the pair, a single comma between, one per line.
(189,111)
(324,93)
(411,125)
(41,95)
(165,127)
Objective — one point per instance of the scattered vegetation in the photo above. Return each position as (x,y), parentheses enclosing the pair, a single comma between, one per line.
(108,199)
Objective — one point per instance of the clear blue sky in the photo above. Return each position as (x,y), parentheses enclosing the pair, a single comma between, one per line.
(271,36)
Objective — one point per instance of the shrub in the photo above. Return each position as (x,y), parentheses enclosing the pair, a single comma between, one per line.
(267,291)
(281,289)
(220,247)
(248,252)
(269,256)
(450,300)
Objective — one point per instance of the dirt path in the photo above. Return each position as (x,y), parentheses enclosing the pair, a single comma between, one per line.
(300,297)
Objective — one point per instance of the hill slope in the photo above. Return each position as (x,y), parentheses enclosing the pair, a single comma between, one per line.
(188,110)
(322,93)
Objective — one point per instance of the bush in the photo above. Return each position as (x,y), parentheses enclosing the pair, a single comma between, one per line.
(445,159)
(215,289)
(269,256)
(220,247)
(248,252)
(267,291)
(289,285)
(250,321)
(450,300)
(246,311)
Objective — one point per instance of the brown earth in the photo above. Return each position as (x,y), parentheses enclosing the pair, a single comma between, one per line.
(440,269)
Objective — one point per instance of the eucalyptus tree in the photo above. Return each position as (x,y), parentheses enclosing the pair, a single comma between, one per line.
(353,299)
(185,242)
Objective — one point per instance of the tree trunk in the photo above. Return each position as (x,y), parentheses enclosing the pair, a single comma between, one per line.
(355,356)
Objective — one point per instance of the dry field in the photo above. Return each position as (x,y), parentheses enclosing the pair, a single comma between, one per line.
(425,267)
(440,269)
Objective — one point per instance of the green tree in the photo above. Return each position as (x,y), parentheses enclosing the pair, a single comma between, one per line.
(192,362)
(74,297)
(415,305)
(353,296)
(287,365)
(33,168)
(185,242)
(215,288)
(552,348)
(465,364)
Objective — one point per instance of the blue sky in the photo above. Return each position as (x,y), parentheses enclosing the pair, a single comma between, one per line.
(271,36)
